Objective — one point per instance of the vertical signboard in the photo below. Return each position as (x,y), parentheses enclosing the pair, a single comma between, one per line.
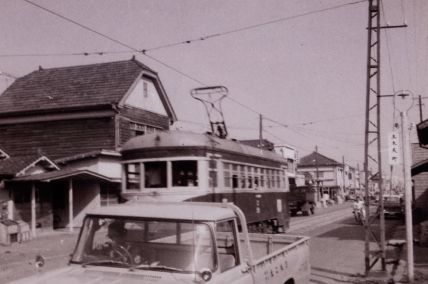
(394,148)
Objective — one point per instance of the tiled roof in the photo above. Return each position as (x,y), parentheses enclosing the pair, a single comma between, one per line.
(71,87)
(316,159)
(13,165)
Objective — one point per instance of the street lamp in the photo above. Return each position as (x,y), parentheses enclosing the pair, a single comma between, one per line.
(405,128)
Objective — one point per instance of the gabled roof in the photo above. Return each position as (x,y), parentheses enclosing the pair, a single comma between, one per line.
(76,87)
(20,164)
(316,159)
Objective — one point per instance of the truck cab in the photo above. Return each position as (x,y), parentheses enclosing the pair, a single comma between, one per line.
(171,242)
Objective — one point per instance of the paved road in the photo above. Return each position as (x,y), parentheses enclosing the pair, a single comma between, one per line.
(337,248)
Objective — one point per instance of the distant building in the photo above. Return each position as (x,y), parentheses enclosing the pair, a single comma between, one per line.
(333,178)
(60,132)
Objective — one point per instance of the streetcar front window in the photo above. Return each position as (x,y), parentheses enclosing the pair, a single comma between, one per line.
(155,175)
(132,175)
(184,173)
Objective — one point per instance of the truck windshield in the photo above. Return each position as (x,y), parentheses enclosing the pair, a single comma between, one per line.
(137,243)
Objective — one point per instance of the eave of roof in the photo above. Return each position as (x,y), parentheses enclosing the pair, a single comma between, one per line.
(87,155)
(63,174)
(18,164)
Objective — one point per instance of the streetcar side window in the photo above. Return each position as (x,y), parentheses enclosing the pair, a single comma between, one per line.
(262,177)
(184,173)
(227,176)
(242,177)
(132,176)
(212,173)
(155,175)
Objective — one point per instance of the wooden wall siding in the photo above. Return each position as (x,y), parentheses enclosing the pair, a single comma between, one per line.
(58,139)
(419,154)
(421,190)
(139,116)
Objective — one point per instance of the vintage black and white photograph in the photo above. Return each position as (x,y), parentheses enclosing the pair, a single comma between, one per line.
(214,141)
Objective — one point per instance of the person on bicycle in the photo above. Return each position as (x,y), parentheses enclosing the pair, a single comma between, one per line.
(358,206)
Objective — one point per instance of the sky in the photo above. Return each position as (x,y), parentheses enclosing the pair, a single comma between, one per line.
(301,64)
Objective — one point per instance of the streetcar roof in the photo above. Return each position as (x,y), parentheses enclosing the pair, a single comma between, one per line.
(174,138)
(168,210)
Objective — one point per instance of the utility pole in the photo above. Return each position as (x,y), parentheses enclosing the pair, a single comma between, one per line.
(420,108)
(408,194)
(317,173)
(372,150)
(344,177)
(372,131)
(260,131)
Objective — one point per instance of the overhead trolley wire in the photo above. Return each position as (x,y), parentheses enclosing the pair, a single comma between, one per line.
(173,44)
(144,51)
(250,27)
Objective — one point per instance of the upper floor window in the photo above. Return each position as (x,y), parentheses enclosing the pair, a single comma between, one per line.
(141,129)
(145,89)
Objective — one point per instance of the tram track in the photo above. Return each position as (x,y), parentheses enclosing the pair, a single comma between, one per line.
(305,223)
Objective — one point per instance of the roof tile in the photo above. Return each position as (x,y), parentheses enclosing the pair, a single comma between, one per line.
(74,86)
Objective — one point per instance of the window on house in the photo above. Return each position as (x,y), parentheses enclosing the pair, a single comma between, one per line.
(141,129)
(109,194)
(184,173)
(145,89)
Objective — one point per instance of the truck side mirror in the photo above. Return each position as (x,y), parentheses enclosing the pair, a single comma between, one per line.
(39,261)
(205,274)
(246,268)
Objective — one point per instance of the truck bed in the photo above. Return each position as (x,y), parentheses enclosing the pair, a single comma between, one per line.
(264,246)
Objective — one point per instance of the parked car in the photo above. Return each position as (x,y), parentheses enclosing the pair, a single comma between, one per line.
(393,206)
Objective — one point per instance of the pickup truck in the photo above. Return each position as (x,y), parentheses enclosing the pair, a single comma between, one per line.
(173,242)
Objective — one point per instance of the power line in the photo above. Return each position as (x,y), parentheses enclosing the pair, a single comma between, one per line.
(250,27)
(113,39)
(144,52)
(168,45)
(65,53)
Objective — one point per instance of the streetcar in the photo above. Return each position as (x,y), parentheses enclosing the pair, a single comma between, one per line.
(186,166)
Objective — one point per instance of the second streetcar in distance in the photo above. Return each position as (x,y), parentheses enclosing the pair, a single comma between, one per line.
(186,166)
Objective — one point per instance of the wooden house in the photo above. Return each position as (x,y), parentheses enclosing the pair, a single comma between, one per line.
(60,132)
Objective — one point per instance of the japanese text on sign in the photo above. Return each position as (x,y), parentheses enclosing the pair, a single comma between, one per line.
(394,148)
